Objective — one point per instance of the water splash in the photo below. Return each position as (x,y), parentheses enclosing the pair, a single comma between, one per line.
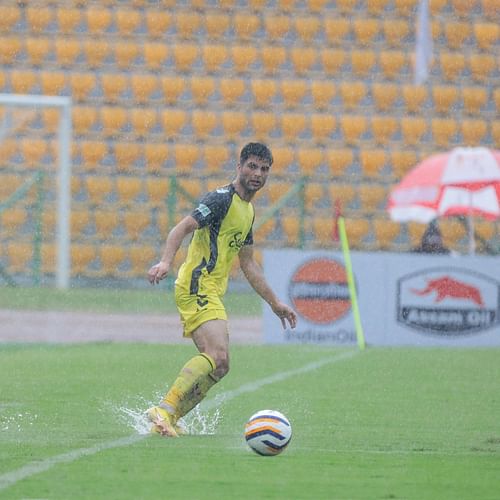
(17,422)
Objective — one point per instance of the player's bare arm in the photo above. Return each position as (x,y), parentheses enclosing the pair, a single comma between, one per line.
(174,240)
(255,276)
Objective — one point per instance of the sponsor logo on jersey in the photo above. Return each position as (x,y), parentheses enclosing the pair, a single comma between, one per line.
(203,209)
(237,241)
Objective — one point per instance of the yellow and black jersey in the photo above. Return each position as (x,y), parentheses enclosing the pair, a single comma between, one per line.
(225,225)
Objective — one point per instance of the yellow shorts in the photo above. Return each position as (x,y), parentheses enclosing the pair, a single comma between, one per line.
(195,310)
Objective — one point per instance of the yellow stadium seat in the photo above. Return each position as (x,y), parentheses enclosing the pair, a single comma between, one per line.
(202,88)
(332,61)
(363,62)
(352,93)
(185,56)
(395,32)
(405,8)
(323,230)
(317,6)
(482,66)
(415,233)
(37,50)
(33,151)
(83,119)
(157,189)
(52,83)
(155,55)
(485,229)
(495,133)
(142,257)
(293,92)
(372,197)
(336,29)
(111,258)
(276,26)
(453,232)
(49,258)
(474,132)
(243,57)
(214,56)
(68,20)
(173,121)
(366,30)
(173,87)
(125,54)
(143,121)
(126,154)
(386,232)
(402,162)
(384,129)
(143,87)
(437,6)
(376,7)
(323,127)
(185,157)
(341,194)
(452,65)
(79,221)
(291,228)
(113,120)
(82,255)
(98,20)
(193,188)
(309,160)
(113,86)
(292,125)
(67,51)
(314,194)
(127,21)
(38,18)
(496,98)
(8,183)
(372,162)
(158,22)
(322,92)
(413,130)
(93,154)
(443,131)
(490,9)
(155,157)
(12,220)
(273,58)
(392,63)
(22,82)
(286,5)
(135,223)
(233,124)
(353,128)
(283,158)
(307,28)
(339,160)
(261,235)
(346,6)
(414,97)
(187,23)
(10,15)
(444,98)
(98,189)
(96,51)
(263,91)
(385,95)
(263,124)
(231,90)
(10,48)
(217,24)
(215,157)
(82,85)
(456,34)
(105,223)
(245,25)
(276,190)
(204,123)
(303,59)
(474,99)
(357,231)
(461,8)
(19,256)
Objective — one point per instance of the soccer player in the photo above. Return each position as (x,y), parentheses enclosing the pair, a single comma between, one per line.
(222,227)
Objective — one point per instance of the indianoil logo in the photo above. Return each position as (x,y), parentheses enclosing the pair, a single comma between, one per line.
(319,292)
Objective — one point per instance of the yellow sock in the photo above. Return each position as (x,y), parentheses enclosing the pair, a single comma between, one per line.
(191,385)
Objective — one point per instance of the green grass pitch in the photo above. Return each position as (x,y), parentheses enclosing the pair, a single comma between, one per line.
(383,423)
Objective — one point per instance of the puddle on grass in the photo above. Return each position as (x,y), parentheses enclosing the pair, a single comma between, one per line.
(16,421)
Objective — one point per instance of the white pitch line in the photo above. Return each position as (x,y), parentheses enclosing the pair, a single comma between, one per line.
(10,478)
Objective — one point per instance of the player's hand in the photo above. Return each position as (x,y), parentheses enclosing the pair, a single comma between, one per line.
(157,273)
(285,314)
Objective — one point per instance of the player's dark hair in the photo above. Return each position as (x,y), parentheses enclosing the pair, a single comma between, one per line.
(257,149)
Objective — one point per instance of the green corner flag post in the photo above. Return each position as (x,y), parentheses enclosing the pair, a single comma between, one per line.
(351,284)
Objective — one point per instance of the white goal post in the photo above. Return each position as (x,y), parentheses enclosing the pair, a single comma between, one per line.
(64,104)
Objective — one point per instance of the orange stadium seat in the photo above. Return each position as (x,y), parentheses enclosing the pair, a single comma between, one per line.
(317,6)
(84,119)
(158,22)
(377,7)
(352,93)
(38,18)
(392,63)
(307,28)
(309,160)
(495,133)
(10,49)
(323,93)
(82,85)
(347,6)
(155,55)
(386,232)
(185,157)
(125,54)
(99,188)
(93,154)
(215,157)
(474,99)
(67,51)
(384,129)
(217,24)
(286,5)
(193,189)
(323,230)
(19,256)
(402,162)
(68,20)
(413,130)
(405,8)
(23,82)
(395,32)
(292,125)
(276,190)
(126,155)
(202,88)
(303,59)
(185,56)
(371,197)
(234,124)
(37,50)
(291,228)
(33,151)
(437,6)
(443,131)
(173,87)
(323,127)
(357,231)
(155,157)
(496,98)
(113,120)
(342,194)
(173,121)
(204,123)
(157,189)
(273,58)
(490,9)
(313,194)
(113,86)
(385,95)
(332,60)
(9,17)
(128,189)
(231,90)
(414,97)
(474,132)
(452,65)
(187,24)
(96,52)
(372,162)
(456,33)
(444,98)
(52,83)
(143,121)
(49,257)
(127,21)
(98,20)
(214,56)
(82,255)
(141,259)
(12,220)
(144,87)
(366,30)
(111,257)
(263,124)
(336,29)
(363,62)
(283,158)
(293,92)
(261,235)
(105,222)
(482,66)
(246,25)
(339,160)
(263,91)
(277,27)
(243,57)
(353,128)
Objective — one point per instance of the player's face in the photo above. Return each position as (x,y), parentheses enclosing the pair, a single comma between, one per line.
(253,173)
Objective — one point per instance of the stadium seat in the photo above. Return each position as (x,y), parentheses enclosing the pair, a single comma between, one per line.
(10,15)
(135,223)
(386,232)
(385,95)
(98,188)
(173,87)
(333,61)
(353,128)
(144,87)
(474,132)
(93,154)
(263,91)
(372,197)
(357,231)
(273,58)
(157,189)
(402,162)
(490,9)
(82,85)
(23,82)
(19,256)
(307,28)
(443,131)
(84,119)
(158,22)
(303,59)
(127,21)
(339,160)
(187,24)
(68,20)
(452,65)
(323,93)
(263,124)
(12,220)
(38,18)
(317,6)
(113,120)
(82,255)
(286,5)
(291,229)
(396,32)
(243,57)
(143,121)
(384,129)
(67,52)
(352,93)
(125,54)
(495,133)
(413,130)
(214,56)
(336,29)
(377,7)
(215,157)
(96,52)
(342,195)
(105,223)
(126,155)
(363,62)
(185,157)
(38,50)
(453,231)
(185,56)
(246,25)
(261,235)
(474,99)
(33,151)
(173,121)
(309,159)
(155,157)
(292,126)
(217,24)
(231,90)
(155,55)
(456,34)
(461,8)
(392,63)
(234,124)
(313,194)
(482,67)
(49,221)
(8,182)
(79,221)
(10,49)
(444,98)
(48,256)
(414,98)
(193,188)
(98,20)
(405,8)
(372,162)
(111,258)
(276,27)
(485,230)
(323,127)
(283,158)
(293,92)
(141,257)
(366,30)
(202,88)
(437,6)
(276,190)
(204,123)
(53,83)
(113,86)
(496,98)
(323,230)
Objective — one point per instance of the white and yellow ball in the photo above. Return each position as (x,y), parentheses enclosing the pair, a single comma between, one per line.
(268,432)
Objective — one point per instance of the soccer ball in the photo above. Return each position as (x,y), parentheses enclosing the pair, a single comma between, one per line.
(268,432)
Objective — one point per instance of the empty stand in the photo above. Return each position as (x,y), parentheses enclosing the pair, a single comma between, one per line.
(173,121)
(243,57)
(234,124)
(339,161)
(263,124)
(303,59)
(158,22)
(386,233)
(217,24)
(126,155)
(309,160)
(372,162)
(185,56)
(273,58)
(232,90)
(323,127)
(202,88)
(135,223)
(126,54)
(214,57)
(474,132)
(385,95)
(323,93)
(263,91)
